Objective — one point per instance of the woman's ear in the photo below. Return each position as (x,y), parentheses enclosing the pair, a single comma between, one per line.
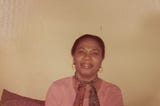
(73,60)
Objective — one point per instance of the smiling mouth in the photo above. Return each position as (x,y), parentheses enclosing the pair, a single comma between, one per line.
(86,65)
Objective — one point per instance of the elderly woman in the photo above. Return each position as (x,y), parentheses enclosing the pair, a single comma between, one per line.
(85,88)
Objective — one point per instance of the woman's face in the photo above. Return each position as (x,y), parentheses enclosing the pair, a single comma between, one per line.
(87,58)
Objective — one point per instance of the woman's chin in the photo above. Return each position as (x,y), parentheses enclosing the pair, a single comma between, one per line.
(86,72)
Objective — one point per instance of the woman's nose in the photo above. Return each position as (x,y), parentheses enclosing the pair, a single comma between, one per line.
(87,56)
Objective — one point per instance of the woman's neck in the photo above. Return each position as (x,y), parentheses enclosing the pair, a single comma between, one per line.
(86,78)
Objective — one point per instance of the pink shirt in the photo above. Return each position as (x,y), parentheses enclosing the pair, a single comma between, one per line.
(62,93)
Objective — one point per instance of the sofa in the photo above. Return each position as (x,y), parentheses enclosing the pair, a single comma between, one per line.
(12,99)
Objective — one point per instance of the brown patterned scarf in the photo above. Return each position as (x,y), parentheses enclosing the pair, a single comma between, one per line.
(93,98)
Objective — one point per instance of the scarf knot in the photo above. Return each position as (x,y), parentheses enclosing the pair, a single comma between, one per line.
(93,97)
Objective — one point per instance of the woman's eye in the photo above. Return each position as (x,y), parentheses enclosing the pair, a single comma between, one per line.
(80,52)
(95,53)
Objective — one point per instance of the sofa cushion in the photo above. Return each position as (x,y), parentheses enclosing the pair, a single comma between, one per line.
(12,99)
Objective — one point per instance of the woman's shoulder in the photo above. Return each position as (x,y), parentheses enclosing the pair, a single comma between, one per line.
(109,86)
(63,81)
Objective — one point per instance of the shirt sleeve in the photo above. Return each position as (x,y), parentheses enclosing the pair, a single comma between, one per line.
(116,98)
(53,97)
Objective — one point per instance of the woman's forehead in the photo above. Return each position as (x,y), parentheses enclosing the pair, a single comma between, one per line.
(90,43)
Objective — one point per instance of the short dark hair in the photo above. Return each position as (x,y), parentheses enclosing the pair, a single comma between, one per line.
(90,36)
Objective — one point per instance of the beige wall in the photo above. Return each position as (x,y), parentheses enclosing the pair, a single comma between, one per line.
(36,37)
